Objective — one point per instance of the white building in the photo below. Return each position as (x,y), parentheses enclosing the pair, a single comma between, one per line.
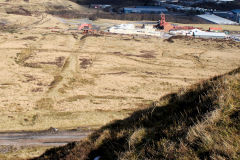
(131,29)
(204,34)
(198,33)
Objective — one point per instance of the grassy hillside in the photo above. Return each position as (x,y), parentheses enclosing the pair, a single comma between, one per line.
(202,122)
(35,7)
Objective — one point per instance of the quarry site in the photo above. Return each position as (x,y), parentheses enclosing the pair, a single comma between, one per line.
(57,79)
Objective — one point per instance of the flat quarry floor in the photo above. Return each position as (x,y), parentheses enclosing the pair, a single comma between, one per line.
(52,76)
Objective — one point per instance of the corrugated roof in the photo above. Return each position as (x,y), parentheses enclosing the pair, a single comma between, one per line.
(216,19)
(236,11)
(198,32)
(150,7)
(211,34)
(147,9)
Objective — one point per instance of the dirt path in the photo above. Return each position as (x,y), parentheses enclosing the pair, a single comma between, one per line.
(69,69)
(49,137)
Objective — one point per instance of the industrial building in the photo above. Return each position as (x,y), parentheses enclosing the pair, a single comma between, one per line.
(198,33)
(132,29)
(216,19)
(102,6)
(159,2)
(236,13)
(145,10)
(162,28)
(225,14)
(203,34)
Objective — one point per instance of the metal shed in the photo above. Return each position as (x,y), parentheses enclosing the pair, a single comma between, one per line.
(146,9)
(204,34)
(236,11)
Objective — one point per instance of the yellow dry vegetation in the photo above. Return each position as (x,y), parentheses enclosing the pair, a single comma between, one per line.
(21,153)
(57,78)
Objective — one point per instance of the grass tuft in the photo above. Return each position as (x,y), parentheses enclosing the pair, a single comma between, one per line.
(45,103)
(24,55)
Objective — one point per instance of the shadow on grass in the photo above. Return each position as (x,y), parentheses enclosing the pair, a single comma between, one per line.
(171,121)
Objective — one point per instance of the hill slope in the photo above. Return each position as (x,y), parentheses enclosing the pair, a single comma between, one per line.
(35,7)
(202,122)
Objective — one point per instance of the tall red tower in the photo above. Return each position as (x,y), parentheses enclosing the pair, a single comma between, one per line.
(163,21)
(163,25)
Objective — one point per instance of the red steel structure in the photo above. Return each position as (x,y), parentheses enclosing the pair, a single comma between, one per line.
(86,28)
(163,21)
(215,29)
(162,24)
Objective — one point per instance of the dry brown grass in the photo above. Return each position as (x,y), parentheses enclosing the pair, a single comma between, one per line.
(114,83)
(137,137)
(75,98)
(24,55)
(54,83)
(45,103)
(44,118)
(121,75)
(100,78)
(201,122)
(20,153)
